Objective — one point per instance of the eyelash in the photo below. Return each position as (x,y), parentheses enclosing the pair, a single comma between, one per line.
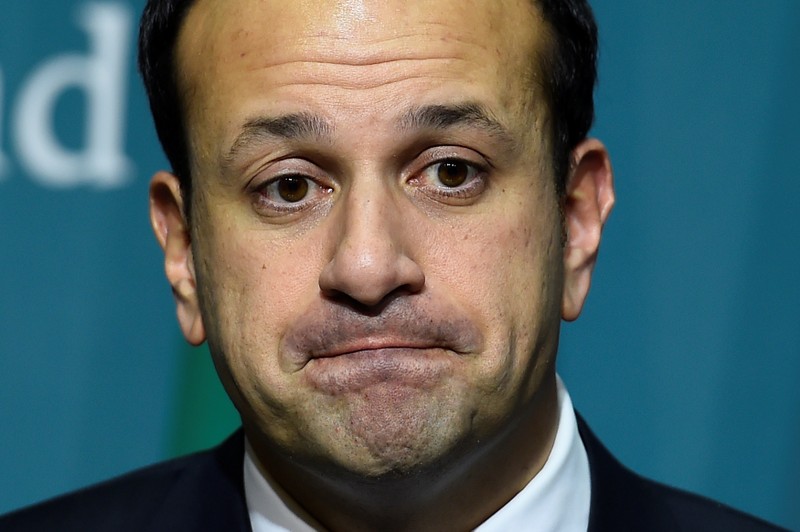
(280,208)
(267,201)
(474,184)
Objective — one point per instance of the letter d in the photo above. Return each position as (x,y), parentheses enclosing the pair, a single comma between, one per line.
(102,74)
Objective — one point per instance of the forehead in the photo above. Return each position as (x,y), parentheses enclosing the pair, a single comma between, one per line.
(382,49)
(357,22)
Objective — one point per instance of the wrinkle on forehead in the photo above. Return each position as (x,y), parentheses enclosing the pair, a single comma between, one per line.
(357,32)
(352,45)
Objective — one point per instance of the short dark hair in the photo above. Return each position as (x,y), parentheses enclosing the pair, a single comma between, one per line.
(158,32)
(570,75)
(569,70)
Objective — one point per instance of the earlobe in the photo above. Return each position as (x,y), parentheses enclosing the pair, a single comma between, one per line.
(588,202)
(172,233)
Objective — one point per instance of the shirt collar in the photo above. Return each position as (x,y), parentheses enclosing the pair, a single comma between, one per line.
(269,511)
(557,499)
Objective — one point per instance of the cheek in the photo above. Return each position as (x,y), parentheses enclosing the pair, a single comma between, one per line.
(499,264)
(259,288)
(253,287)
(505,272)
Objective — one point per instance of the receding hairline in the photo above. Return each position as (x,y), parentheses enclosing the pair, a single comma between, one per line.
(535,103)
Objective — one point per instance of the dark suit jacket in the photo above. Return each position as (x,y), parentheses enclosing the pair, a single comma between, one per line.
(204,492)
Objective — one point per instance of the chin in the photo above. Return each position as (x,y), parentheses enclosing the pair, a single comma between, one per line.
(392,431)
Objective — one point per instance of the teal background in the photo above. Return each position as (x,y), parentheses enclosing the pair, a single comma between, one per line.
(685,361)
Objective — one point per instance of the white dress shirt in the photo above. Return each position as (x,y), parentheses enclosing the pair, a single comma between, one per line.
(556,500)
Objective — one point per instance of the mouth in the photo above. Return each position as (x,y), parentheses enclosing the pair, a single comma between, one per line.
(397,366)
(406,341)
(377,345)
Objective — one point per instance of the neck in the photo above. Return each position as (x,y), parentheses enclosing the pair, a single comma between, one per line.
(459,492)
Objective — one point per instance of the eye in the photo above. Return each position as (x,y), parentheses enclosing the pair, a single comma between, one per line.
(452,179)
(288,193)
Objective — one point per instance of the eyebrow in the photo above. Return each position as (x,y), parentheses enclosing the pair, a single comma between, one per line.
(471,115)
(290,126)
(308,126)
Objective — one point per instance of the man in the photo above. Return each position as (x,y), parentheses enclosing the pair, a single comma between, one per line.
(378,214)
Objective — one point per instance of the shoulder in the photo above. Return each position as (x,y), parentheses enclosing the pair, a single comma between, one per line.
(623,500)
(694,512)
(113,504)
(151,498)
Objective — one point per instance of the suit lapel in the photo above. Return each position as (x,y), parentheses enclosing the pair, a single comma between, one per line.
(621,500)
(209,496)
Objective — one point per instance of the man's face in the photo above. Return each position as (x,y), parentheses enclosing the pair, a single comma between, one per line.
(376,238)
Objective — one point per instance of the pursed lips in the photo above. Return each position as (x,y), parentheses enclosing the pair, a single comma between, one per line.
(356,369)
(365,345)
(402,328)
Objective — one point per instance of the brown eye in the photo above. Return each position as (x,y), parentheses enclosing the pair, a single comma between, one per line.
(453,173)
(292,188)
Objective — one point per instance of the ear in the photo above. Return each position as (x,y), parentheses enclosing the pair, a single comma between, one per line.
(588,202)
(172,233)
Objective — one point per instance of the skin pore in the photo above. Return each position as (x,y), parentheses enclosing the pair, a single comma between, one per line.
(376,255)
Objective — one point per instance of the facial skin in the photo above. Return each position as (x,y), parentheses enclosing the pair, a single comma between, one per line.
(375,254)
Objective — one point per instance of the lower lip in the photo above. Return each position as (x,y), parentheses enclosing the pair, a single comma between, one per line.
(356,371)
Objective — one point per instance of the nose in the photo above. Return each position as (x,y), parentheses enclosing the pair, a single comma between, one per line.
(373,258)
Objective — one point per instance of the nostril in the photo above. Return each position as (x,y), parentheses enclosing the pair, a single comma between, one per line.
(372,259)
(370,283)
(369,308)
